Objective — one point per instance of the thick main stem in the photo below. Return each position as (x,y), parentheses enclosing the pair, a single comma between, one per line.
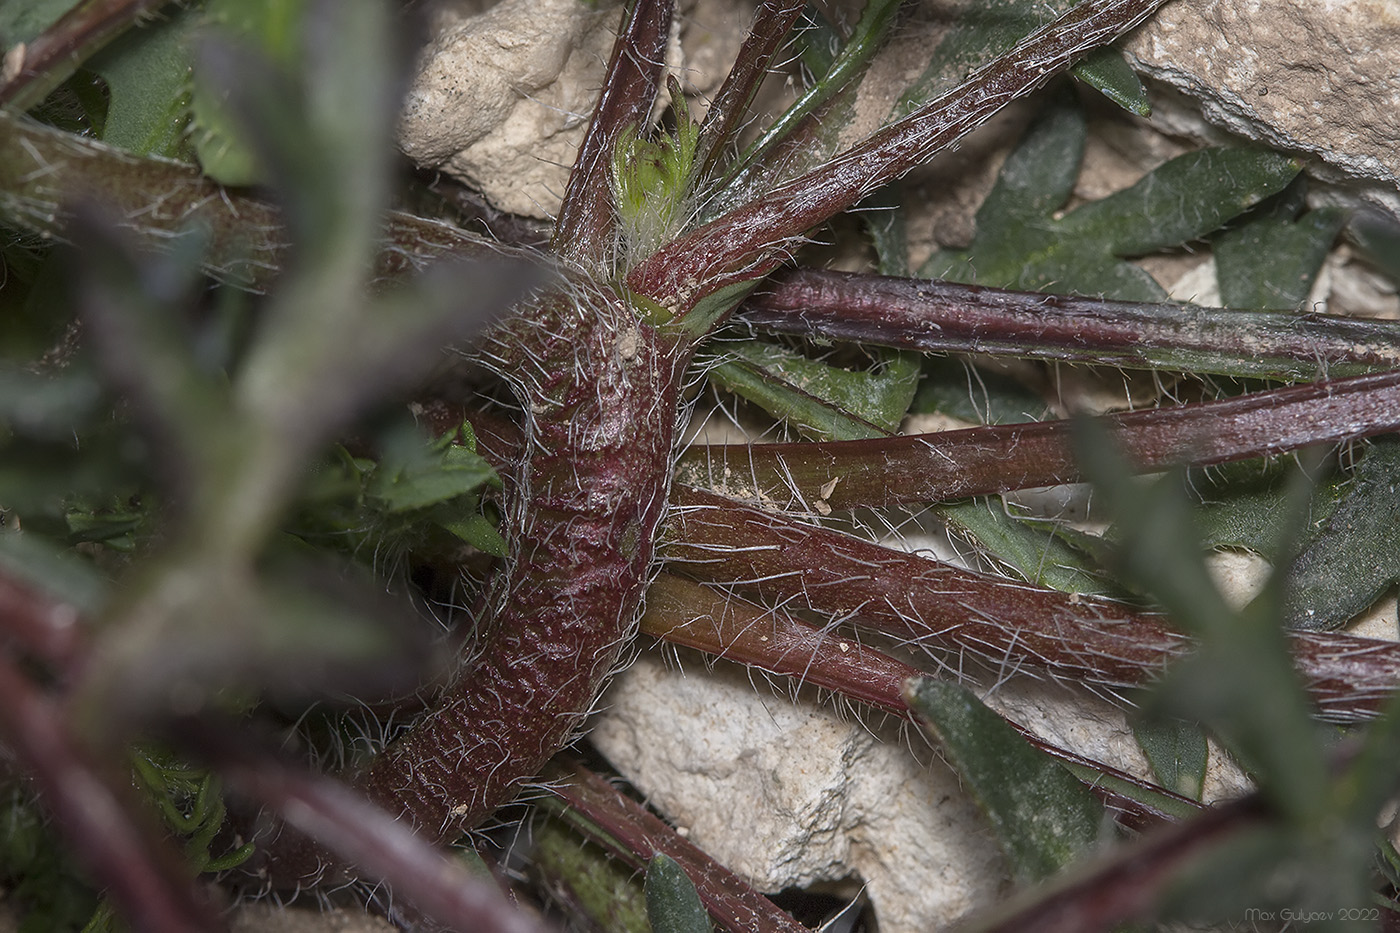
(603,390)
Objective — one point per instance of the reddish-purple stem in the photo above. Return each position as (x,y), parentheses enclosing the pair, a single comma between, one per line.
(42,64)
(584,230)
(361,834)
(589,495)
(635,836)
(1078,638)
(772,21)
(935,316)
(143,875)
(699,617)
(951,464)
(757,235)
(40,625)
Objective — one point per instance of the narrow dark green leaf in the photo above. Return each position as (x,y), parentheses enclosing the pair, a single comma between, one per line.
(1109,73)
(831,92)
(1043,817)
(475,529)
(1032,549)
(586,879)
(1378,236)
(1270,257)
(1248,505)
(1184,199)
(414,475)
(1022,243)
(983,31)
(813,394)
(147,71)
(1177,751)
(1354,555)
(673,906)
(960,389)
(1038,176)
(883,213)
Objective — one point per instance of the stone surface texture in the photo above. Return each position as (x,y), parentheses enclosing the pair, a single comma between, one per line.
(795,793)
(1320,77)
(501,99)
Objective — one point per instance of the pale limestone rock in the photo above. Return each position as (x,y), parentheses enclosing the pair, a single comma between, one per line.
(1315,76)
(501,99)
(788,793)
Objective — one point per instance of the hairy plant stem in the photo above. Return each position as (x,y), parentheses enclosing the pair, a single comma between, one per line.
(588,499)
(366,836)
(1076,638)
(633,834)
(934,316)
(726,626)
(45,172)
(888,471)
(585,228)
(756,237)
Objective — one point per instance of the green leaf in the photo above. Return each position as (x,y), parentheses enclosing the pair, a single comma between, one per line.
(1177,751)
(1108,72)
(1033,549)
(1185,198)
(985,30)
(475,529)
(1352,556)
(827,401)
(414,476)
(586,879)
(1241,681)
(1377,234)
(1043,817)
(147,71)
(1270,257)
(961,389)
(227,150)
(809,130)
(1022,242)
(1249,505)
(673,906)
(31,558)
(23,21)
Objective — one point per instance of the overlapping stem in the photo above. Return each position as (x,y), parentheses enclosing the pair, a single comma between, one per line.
(141,872)
(888,471)
(772,22)
(772,639)
(754,238)
(583,231)
(40,66)
(364,835)
(934,316)
(633,834)
(926,602)
(44,173)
